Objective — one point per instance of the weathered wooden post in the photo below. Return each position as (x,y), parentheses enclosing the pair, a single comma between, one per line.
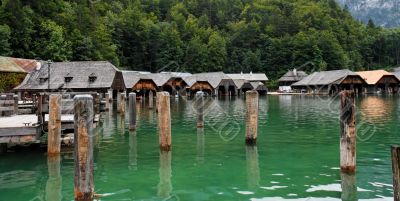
(3,148)
(15,104)
(54,182)
(165,185)
(348,132)
(396,171)
(253,169)
(83,138)
(151,99)
(199,103)
(132,111)
(251,117)
(54,125)
(164,120)
(96,103)
(121,104)
(108,102)
(349,187)
(39,111)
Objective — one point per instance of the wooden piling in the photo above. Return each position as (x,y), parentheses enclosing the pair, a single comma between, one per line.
(3,148)
(121,103)
(15,104)
(199,102)
(251,117)
(347,132)
(164,120)
(39,111)
(396,171)
(151,95)
(132,111)
(54,125)
(96,102)
(83,138)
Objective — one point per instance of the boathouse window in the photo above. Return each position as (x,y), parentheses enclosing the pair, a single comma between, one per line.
(92,78)
(67,79)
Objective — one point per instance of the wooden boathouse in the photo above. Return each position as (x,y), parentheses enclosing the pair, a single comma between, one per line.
(379,81)
(330,82)
(250,81)
(289,78)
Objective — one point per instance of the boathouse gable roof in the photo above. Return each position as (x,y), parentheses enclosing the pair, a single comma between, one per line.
(81,75)
(293,76)
(325,78)
(17,65)
(374,76)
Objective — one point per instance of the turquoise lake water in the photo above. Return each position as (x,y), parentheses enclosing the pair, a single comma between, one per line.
(296,157)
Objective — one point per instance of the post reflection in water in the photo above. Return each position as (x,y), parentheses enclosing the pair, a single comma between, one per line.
(253,169)
(165,185)
(132,151)
(349,187)
(54,182)
(200,145)
(121,124)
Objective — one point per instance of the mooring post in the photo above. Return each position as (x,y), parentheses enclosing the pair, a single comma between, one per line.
(15,104)
(347,132)
(132,111)
(199,105)
(164,120)
(151,99)
(40,110)
(54,125)
(396,171)
(3,148)
(83,138)
(251,117)
(121,104)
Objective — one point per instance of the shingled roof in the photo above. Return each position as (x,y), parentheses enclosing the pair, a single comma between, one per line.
(293,76)
(397,74)
(373,76)
(83,75)
(325,78)
(17,65)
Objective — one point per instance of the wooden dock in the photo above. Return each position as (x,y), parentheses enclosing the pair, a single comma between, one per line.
(19,129)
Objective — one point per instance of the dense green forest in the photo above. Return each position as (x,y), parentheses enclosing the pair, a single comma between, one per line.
(268,36)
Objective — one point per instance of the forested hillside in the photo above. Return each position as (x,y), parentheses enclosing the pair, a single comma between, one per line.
(268,36)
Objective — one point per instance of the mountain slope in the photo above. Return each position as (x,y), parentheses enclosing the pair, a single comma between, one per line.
(383,12)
